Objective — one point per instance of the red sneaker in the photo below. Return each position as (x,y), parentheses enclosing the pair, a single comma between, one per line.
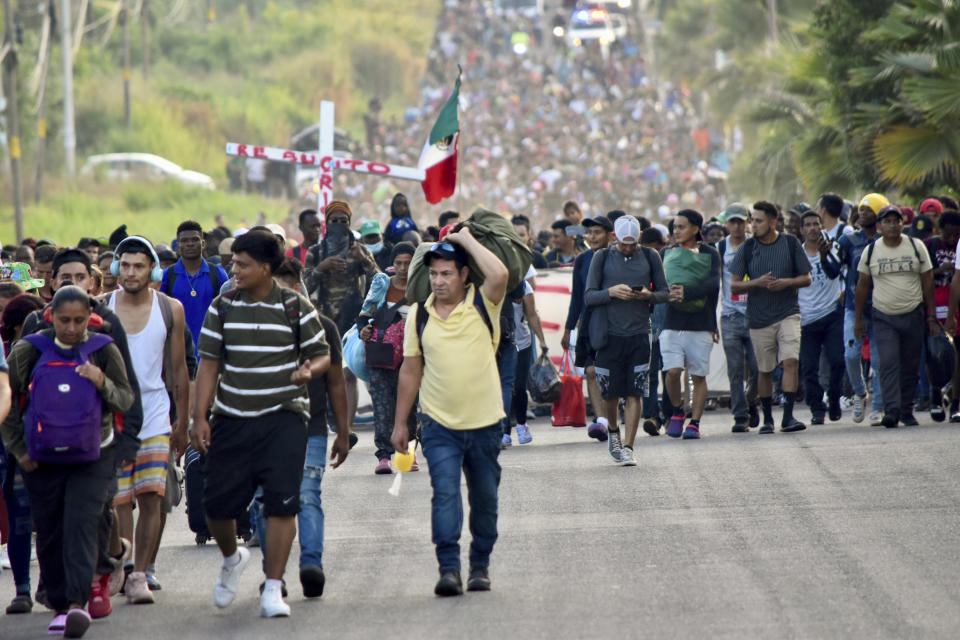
(99,605)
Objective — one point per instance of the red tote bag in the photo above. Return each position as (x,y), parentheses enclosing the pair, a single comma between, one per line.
(570,409)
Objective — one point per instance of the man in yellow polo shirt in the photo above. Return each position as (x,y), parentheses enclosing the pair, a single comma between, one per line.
(449,357)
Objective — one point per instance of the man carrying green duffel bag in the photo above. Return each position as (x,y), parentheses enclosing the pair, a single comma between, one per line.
(692,269)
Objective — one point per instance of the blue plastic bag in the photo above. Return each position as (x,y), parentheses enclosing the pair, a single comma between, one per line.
(354,354)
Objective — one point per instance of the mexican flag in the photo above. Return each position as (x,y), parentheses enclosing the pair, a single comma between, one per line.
(439,156)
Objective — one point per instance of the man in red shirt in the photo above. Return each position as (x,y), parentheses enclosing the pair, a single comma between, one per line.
(310,228)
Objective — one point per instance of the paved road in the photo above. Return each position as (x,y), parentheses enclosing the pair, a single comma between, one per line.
(841,531)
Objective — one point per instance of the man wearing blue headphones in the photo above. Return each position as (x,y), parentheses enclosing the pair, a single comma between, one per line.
(155,326)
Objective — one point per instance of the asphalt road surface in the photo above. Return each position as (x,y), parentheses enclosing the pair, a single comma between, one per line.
(841,531)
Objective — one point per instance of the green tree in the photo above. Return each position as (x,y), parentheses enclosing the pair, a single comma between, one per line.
(912,133)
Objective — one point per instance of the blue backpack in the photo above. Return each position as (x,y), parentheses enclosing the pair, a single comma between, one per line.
(63,420)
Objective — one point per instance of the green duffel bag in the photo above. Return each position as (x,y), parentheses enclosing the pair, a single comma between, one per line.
(494,232)
(684,267)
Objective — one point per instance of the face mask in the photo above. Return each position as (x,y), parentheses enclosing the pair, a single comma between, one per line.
(375,248)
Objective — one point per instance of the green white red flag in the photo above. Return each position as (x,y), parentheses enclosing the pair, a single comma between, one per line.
(439,156)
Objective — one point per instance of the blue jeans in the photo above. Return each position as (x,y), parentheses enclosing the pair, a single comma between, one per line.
(507,366)
(310,518)
(741,363)
(21,521)
(852,354)
(474,452)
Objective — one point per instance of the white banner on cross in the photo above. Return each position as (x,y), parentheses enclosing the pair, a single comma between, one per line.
(325,160)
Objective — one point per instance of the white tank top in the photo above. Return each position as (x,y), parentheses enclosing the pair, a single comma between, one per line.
(146,351)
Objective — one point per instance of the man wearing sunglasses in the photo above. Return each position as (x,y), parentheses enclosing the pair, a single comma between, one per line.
(450,344)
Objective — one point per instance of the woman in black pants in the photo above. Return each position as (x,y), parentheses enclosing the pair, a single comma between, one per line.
(66,478)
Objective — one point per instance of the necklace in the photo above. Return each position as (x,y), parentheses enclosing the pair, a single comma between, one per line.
(193,292)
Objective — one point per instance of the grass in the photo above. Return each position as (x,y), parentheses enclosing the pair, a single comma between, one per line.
(69,213)
(243,79)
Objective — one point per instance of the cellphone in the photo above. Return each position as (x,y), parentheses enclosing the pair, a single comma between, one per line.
(638,289)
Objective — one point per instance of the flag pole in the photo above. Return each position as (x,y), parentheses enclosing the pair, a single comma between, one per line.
(459,148)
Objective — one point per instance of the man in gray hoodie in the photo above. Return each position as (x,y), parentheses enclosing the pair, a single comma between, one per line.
(622,284)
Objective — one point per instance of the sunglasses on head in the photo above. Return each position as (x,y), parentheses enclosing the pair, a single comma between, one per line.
(443,246)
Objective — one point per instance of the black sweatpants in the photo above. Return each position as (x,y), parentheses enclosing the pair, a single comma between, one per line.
(67,502)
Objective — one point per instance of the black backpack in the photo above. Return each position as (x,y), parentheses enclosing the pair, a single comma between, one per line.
(214,279)
(423,315)
(874,242)
(291,307)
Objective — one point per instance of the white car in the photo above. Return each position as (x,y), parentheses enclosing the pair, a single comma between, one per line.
(595,24)
(144,167)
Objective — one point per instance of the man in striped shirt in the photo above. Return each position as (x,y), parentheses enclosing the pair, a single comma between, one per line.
(264,355)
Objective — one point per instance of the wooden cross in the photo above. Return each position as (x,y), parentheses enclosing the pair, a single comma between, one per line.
(325,160)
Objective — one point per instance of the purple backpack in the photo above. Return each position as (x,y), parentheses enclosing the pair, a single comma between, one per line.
(64,416)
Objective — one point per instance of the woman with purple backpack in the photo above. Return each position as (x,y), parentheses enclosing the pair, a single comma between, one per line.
(67,384)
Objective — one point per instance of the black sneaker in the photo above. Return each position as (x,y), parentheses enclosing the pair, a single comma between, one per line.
(353,440)
(312,580)
(908,420)
(890,420)
(449,584)
(938,414)
(793,425)
(127,570)
(754,417)
(479,579)
(834,411)
(818,418)
(20,604)
(651,426)
(740,427)
(766,428)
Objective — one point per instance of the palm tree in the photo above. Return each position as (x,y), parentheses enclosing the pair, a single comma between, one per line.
(914,135)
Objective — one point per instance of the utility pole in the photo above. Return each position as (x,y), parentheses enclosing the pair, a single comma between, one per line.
(13,117)
(69,132)
(774,31)
(145,27)
(48,26)
(125,16)
(646,12)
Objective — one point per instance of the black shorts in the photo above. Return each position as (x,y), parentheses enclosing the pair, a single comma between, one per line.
(623,366)
(249,452)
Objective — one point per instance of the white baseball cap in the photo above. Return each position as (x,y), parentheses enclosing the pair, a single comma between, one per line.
(627,229)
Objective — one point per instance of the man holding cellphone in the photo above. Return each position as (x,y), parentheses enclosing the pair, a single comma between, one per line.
(622,283)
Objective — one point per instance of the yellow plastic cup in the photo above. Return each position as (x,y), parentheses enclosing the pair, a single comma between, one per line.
(404,461)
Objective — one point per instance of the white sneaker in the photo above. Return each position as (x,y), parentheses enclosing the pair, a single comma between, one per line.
(859,406)
(272,604)
(229,581)
(4,558)
(876,418)
(626,457)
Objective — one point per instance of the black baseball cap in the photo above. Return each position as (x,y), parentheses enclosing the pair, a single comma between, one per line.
(446,251)
(599,221)
(889,210)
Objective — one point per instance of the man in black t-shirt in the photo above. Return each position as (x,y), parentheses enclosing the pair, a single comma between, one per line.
(770,267)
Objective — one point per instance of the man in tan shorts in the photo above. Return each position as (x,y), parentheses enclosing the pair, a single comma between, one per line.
(770,267)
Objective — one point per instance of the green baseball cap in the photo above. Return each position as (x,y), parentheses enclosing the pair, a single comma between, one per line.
(370,228)
(19,272)
(735,211)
